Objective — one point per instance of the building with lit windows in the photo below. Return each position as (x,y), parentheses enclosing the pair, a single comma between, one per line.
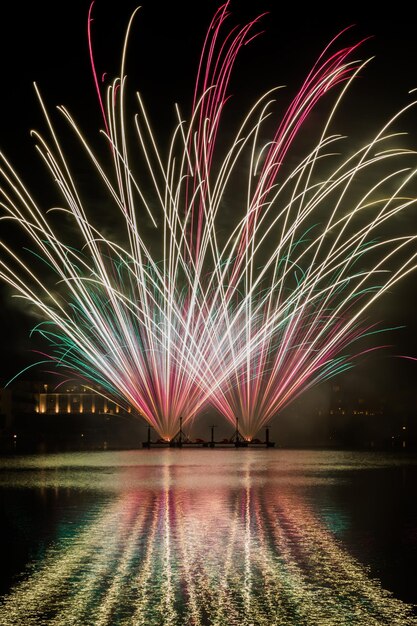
(44,417)
(75,399)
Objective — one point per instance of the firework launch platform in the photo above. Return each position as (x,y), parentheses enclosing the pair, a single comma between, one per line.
(182,441)
(207,444)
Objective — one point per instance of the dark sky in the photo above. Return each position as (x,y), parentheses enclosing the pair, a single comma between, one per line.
(49,46)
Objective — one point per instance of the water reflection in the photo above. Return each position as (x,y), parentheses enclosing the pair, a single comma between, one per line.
(201,543)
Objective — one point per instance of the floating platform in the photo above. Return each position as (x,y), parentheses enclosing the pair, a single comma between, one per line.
(208,444)
(181,440)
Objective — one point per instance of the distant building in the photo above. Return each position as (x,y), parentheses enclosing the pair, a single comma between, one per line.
(75,399)
(43,417)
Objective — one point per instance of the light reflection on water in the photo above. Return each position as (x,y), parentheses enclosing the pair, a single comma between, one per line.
(196,537)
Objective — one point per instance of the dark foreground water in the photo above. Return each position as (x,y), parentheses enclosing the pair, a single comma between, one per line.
(208,537)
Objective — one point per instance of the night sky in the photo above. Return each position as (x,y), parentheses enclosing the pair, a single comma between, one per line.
(49,46)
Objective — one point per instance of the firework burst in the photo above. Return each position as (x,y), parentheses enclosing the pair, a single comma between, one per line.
(244,318)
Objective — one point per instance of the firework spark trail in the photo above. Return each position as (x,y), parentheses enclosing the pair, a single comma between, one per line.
(246,323)
(322,299)
(333,63)
(319,81)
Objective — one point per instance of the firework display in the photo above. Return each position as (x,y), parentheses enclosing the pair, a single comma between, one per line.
(190,303)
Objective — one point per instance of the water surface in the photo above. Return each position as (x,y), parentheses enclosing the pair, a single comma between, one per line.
(209,537)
